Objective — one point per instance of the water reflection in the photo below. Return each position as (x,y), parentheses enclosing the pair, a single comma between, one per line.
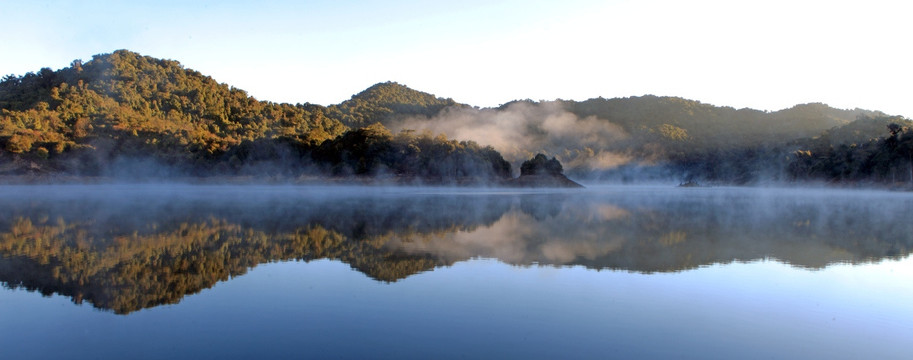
(126,248)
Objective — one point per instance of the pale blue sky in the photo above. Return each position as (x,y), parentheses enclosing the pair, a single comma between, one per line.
(761,54)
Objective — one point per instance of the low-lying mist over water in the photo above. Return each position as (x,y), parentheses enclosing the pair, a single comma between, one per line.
(101,243)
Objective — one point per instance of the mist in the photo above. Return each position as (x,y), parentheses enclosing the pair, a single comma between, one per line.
(522,129)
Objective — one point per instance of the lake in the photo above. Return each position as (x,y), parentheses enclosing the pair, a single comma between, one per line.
(274,271)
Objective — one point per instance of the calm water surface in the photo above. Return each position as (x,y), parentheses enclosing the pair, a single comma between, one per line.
(181,271)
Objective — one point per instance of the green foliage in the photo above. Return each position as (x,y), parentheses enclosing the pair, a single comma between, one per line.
(124,104)
(851,154)
(672,132)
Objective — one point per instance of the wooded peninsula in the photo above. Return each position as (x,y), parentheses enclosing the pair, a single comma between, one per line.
(127,116)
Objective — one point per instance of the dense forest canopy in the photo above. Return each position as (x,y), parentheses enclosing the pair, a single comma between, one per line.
(125,113)
(126,105)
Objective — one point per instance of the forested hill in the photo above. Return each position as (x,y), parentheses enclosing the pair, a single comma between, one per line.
(127,113)
(673,117)
(385,102)
(125,91)
(81,118)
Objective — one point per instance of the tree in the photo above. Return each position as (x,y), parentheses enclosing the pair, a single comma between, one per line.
(541,165)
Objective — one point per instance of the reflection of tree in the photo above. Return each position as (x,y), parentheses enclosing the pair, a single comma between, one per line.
(127,272)
(131,271)
(126,258)
(542,207)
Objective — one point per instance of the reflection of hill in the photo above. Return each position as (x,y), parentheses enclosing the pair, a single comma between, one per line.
(658,233)
(121,256)
(129,249)
(128,272)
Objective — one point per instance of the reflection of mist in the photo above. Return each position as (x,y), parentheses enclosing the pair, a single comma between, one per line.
(495,241)
(609,212)
(677,229)
(528,235)
(517,238)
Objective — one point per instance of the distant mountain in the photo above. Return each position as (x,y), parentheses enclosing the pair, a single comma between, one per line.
(712,125)
(860,131)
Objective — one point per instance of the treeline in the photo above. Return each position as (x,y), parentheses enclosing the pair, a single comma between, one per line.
(687,141)
(124,114)
(868,151)
(374,151)
(838,158)
(369,152)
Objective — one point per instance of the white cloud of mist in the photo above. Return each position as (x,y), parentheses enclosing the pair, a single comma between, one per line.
(523,129)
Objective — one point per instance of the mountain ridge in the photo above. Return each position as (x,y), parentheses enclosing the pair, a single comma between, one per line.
(123,105)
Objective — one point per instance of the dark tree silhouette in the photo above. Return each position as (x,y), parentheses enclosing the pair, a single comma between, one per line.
(541,165)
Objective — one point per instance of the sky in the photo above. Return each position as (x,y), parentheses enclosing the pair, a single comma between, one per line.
(766,55)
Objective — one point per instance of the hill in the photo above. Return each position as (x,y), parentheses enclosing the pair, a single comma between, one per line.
(82,118)
(699,124)
(386,102)
(125,113)
(664,138)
